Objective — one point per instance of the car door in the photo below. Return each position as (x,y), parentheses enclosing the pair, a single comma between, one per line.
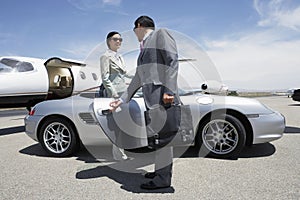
(126,126)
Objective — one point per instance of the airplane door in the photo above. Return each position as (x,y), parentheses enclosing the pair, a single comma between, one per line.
(126,126)
(61,79)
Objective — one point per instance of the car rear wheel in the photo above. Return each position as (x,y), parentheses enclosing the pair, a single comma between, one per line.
(221,136)
(58,137)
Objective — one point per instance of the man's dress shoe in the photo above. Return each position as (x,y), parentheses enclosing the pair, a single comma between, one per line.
(150,175)
(152,186)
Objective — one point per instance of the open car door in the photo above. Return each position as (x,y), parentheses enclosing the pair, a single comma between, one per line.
(126,126)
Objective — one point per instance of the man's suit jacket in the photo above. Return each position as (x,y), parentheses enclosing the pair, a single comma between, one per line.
(157,69)
(112,73)
(156,73)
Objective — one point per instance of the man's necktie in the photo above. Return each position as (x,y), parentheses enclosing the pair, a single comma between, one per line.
(142,45)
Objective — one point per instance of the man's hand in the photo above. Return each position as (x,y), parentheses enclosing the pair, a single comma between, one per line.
(115,104)
(168,98)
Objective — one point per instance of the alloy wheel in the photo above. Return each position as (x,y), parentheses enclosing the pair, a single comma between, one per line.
(57,137)
(220,136)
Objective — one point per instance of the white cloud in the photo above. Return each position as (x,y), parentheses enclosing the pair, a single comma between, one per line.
(85,5)
(278,13)
(113,6)
(78,51)
(264,58)
(109,6)
(118,12)
(260,60)
(112,2)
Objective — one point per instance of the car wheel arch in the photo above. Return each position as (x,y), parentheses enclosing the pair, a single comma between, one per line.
(45,119)
(246,123)
(241,117)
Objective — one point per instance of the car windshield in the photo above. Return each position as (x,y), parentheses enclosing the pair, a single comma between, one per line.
(11,65)
(94,93)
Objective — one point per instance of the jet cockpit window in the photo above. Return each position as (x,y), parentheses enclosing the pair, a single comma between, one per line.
(10,65)
(4,68)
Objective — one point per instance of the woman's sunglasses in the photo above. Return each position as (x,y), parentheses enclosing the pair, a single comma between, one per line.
(116,39)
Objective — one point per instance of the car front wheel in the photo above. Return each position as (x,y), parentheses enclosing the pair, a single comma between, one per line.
(221,136)
(58,137)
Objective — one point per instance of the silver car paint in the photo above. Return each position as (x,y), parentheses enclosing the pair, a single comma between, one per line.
(267,124)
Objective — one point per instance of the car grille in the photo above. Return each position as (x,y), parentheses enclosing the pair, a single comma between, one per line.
(88,118)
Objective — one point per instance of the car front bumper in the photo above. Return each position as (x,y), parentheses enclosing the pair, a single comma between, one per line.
(268,127)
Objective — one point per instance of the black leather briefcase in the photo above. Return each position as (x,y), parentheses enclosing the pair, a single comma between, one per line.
(171,126)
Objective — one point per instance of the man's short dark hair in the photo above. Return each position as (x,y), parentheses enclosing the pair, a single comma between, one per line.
(109,35)
(144,21)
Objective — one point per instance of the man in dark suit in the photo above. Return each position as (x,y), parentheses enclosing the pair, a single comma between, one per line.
(156,73)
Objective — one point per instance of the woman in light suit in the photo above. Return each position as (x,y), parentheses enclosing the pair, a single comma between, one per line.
(113,67)
(113,76)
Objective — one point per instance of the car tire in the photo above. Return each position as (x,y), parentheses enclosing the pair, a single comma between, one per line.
(221,136)
(58,137)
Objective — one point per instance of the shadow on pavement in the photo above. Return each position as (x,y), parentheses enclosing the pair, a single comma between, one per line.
(131,178)
(295,104)
(107,167)
(35,150)
(258,150)
(291,130)
(12,130)
(130,181)
(254,151)
(127,173)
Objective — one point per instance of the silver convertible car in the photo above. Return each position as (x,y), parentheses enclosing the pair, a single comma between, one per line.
(223,124)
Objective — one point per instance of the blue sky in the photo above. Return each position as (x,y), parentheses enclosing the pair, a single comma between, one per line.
(255,44)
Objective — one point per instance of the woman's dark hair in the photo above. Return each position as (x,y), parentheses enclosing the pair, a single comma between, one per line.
(144,21)
(109,35)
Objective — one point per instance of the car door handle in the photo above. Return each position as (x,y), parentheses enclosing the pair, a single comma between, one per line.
(106,112)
